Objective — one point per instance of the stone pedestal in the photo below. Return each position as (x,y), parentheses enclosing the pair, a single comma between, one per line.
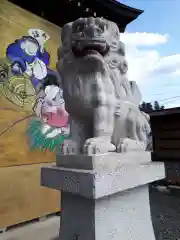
(104,196)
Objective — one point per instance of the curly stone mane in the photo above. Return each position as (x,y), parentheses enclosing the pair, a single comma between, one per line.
(102,103)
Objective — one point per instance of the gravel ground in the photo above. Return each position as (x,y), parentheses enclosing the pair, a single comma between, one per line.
(165,211)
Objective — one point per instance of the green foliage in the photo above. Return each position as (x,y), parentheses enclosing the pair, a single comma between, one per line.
(148,107)
(38,140)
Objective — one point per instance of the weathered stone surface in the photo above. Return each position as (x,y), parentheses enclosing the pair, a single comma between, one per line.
(102,103)
(107,160)
(102,178)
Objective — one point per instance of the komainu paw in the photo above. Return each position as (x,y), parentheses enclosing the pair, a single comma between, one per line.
(98,145)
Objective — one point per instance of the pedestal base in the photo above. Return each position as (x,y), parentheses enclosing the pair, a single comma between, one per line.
(107,200)
(122,216)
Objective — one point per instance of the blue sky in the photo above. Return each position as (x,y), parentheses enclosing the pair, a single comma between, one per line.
(160,25)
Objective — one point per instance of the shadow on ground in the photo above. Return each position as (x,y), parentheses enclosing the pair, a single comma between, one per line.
(165,211)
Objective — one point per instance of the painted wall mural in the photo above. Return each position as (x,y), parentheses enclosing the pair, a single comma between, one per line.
(27,81)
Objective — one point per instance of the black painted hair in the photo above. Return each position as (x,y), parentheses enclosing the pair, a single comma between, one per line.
(50,79)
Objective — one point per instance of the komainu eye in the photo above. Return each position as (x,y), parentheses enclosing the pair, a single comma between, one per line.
(79,28)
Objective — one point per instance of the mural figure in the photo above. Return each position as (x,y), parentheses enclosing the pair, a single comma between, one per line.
(52,126)
(17,89)
(29,56)
(27,82)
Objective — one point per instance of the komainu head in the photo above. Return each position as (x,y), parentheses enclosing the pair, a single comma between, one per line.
(91,44)
(91,61)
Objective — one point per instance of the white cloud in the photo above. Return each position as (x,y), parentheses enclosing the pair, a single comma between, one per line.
(142,61)
(172,104)
(146,65)
(144,38)
(168,65)
(176,72)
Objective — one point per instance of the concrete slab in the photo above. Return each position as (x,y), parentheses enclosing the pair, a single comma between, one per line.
(43,230)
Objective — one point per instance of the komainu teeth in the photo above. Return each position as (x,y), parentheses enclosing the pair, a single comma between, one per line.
(81,45)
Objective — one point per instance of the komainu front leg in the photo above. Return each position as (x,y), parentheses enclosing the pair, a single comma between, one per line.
(77,137)
(103,118)
(103,129)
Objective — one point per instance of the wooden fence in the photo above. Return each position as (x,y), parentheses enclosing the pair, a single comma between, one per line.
(165,126)
(21,196)
(166,133)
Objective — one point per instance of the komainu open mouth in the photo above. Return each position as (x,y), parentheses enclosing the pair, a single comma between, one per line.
(82,48)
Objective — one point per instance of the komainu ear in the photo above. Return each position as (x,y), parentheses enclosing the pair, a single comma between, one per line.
(66,32)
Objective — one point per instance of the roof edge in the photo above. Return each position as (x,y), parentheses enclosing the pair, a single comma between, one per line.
(136,11)
(167,111)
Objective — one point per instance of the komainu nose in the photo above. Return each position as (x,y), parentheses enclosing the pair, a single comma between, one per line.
(93,31)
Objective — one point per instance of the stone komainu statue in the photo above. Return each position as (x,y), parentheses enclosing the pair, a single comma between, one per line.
(103,105)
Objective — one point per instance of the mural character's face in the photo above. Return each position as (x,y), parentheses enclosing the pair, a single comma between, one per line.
(41,36)
(30,47)
(51,108)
